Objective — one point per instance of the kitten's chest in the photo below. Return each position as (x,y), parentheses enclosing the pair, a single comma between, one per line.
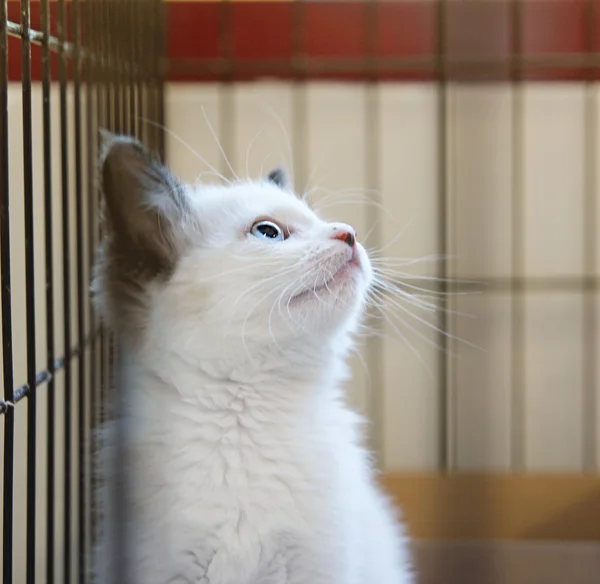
(243,458)
(248,485)
(237,457)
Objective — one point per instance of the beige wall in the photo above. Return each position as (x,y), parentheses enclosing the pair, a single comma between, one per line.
(542,417)
(332,149)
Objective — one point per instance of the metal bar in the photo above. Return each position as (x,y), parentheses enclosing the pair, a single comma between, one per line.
(45,376)
(160,75)
(139,58)
(91,130)
(66,241)
(299,97)
(518,348)
(119,37)
(36,37)
(106,117)
(446,410)
(428,287)
(49,275)
(130,78)
(374,347)
(590,207)
(81,287)
(115,79)
(7,356)
(227,122)
(119,539)
(29,289)
(428,65)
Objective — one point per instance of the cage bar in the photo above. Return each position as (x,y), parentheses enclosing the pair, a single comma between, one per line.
(517,431)
(49,276)
(446,405)
(66,256)
(7,356)
(29,289)
(590,332)
(374,357)
(105,66)
(80,283)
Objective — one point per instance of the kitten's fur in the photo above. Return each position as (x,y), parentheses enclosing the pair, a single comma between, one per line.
(244,465)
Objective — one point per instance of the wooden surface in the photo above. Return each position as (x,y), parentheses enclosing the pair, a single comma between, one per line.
(503,562)
(522,507)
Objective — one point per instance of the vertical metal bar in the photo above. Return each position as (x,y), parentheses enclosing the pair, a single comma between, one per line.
(49,274)
(299,97)
(132,63)
(80,283)
(91,94)
(227,122)
(120,61)
(113,52)
(66,241)
(104,107)
(151,129)
(106,55)
(7,356)
(446,410)
(29,287)
(374,348)
(518,252)
(119,536)
(160,75)
(590,207)
(140,69)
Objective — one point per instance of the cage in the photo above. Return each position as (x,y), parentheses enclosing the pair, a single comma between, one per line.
(460,137)
(66,70)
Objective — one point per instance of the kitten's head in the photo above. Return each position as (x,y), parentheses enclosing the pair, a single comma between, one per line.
(243,265)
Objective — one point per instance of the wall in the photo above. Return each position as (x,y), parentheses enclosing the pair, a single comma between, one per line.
(520,189)
(550,150)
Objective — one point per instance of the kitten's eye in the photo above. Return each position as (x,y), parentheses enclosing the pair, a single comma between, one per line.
(267,230)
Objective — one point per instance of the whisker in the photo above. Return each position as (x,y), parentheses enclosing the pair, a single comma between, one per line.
(219,146)
(401,261)
(423,301)
(249,150)
(411,347)
(262,166)
(413,330)
(185,144)
(290,155)
(438,329)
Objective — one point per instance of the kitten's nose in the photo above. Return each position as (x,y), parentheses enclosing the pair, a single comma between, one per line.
(344,233)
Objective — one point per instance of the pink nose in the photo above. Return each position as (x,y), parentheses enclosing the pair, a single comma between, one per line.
(345,234)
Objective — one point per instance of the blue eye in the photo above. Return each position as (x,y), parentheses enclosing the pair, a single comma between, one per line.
(267,230)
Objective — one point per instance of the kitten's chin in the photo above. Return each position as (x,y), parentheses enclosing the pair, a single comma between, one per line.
(344,288)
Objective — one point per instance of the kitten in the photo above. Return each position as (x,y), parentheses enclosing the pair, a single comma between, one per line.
(235,307)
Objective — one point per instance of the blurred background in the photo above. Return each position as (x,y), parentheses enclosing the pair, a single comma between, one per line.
(459,137)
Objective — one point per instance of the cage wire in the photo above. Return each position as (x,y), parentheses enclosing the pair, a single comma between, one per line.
(106,58)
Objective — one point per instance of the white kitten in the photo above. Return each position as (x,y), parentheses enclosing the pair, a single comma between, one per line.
(235,306)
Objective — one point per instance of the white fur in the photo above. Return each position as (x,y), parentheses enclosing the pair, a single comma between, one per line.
(245,464)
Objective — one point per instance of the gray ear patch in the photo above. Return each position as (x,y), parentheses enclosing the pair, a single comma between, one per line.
(279,178)
(145,204)
(147,218)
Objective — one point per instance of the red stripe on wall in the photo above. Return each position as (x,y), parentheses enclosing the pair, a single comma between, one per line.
(551,40)
(481,41)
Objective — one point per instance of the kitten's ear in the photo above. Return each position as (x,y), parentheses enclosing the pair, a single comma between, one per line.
(145,204)
(280,178)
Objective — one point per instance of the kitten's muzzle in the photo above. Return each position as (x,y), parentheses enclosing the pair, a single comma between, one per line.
(344,233)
